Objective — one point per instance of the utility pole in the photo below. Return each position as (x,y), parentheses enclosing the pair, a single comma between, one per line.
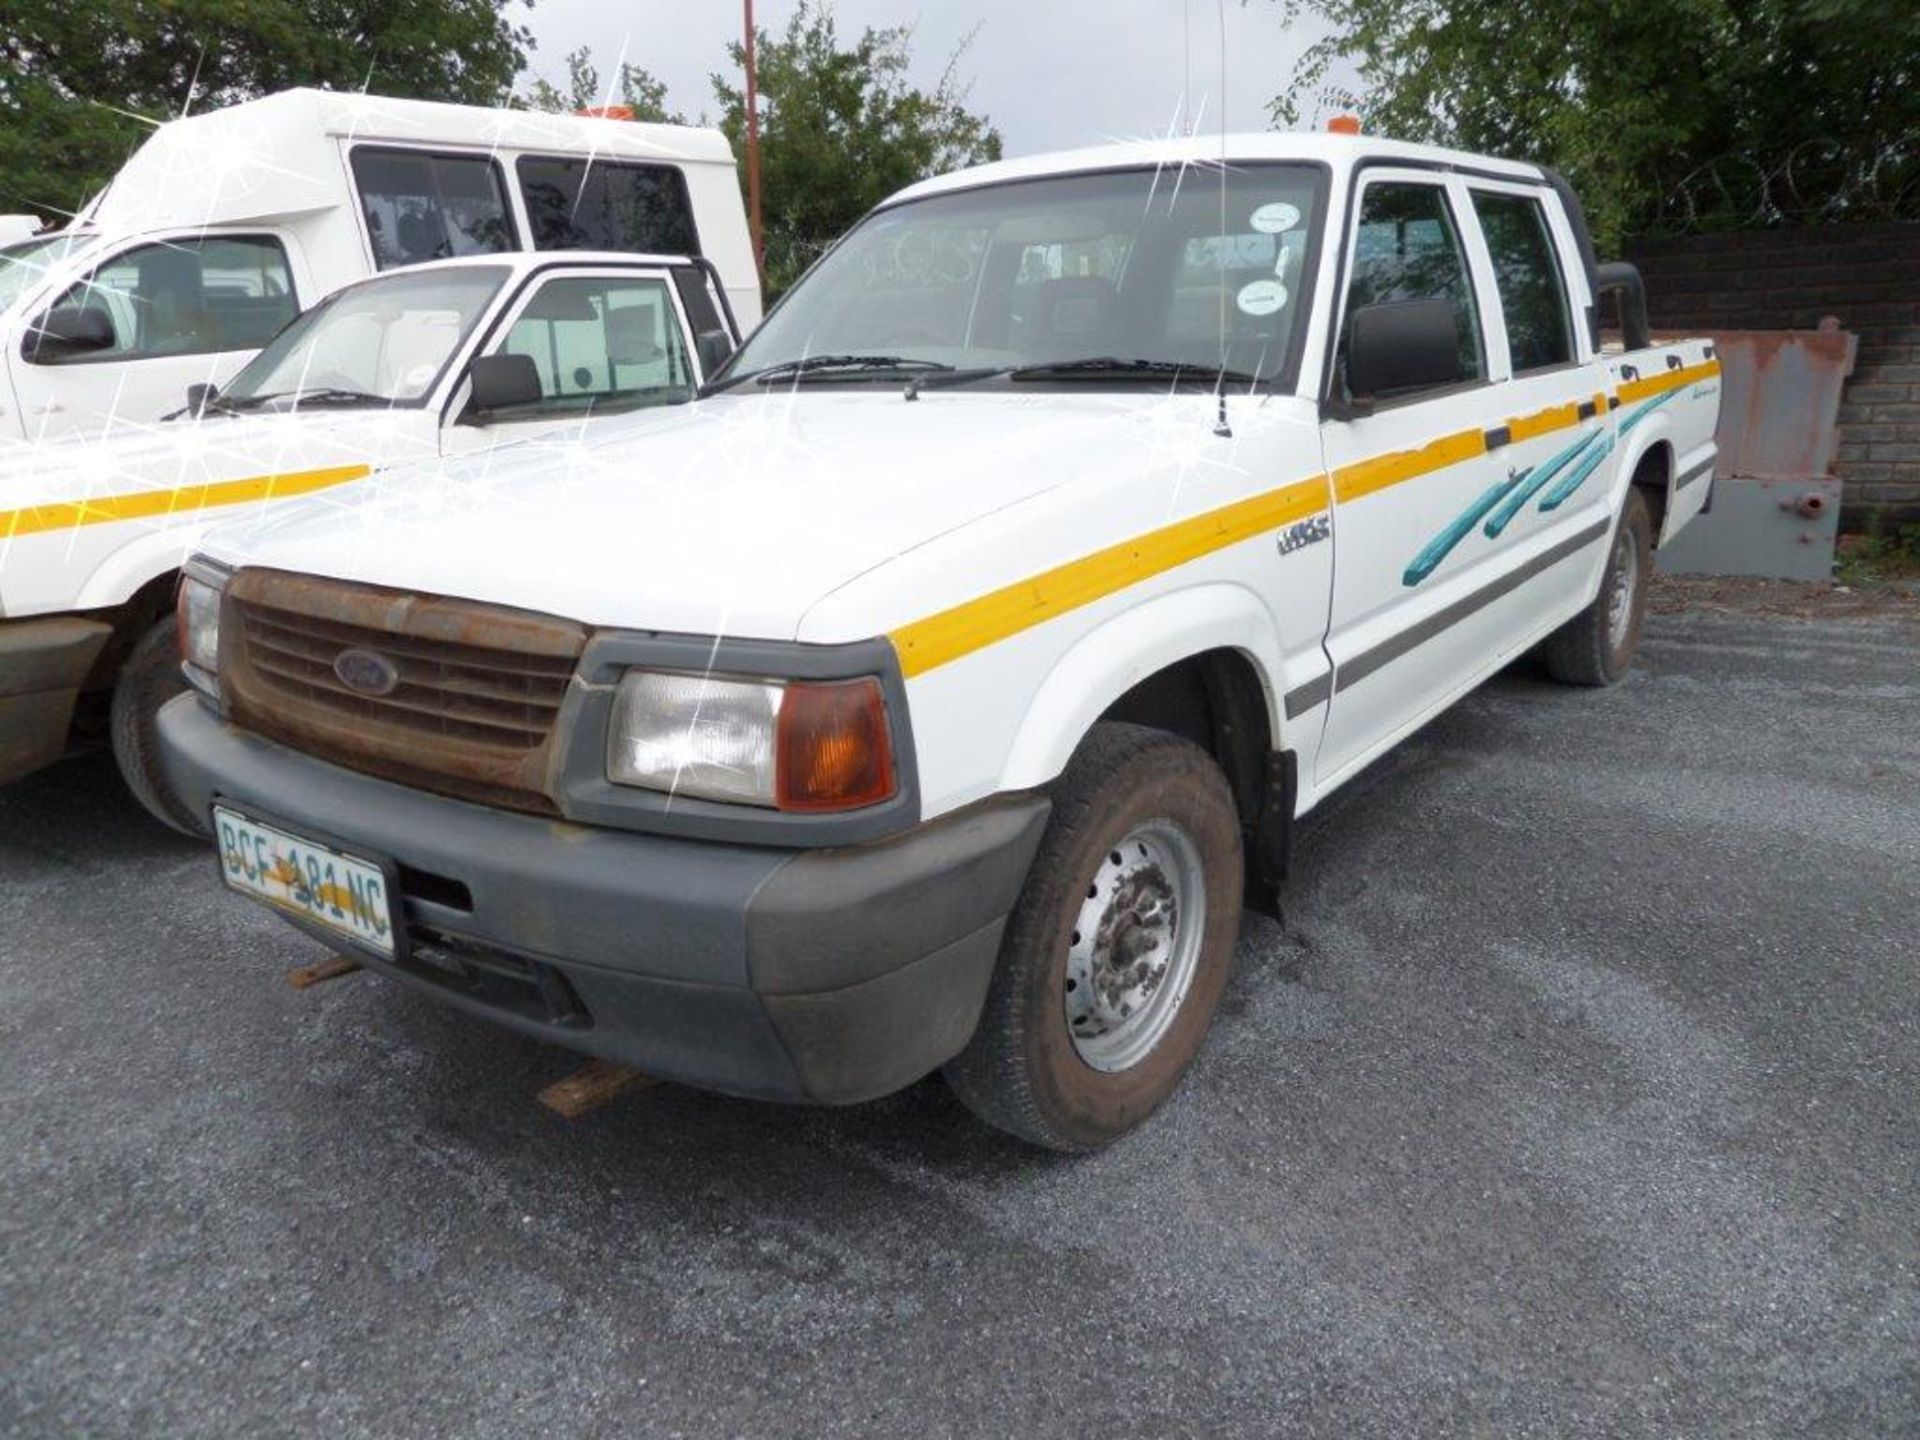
(753,150)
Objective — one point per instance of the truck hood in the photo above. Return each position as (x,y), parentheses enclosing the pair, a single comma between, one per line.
(730,516)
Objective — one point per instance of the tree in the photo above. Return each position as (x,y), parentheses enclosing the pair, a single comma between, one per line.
(80,84)
(1662,112)
(636,88)
(843,128)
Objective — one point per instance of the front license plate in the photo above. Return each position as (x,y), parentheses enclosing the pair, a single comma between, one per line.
(345,895)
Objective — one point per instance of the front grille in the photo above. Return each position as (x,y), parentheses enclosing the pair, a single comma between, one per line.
(476,689)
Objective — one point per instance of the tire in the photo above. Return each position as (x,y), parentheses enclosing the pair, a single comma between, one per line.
(1597,646)
(1062,1064)
(148,679)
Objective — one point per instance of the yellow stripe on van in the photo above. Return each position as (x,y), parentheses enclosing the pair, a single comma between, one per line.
(183,499)
(975,624)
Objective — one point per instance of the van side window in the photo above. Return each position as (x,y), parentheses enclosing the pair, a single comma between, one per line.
(1408,248)
(605,205)
(1526,271)
(421,206)
(600,344)
(189,297)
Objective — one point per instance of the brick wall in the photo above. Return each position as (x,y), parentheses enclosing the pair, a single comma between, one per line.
(1867,275)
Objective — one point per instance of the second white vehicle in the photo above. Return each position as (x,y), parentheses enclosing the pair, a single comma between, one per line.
(457,357)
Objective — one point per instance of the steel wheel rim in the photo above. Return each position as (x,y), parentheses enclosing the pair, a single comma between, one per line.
(1135,946)
(1626,580)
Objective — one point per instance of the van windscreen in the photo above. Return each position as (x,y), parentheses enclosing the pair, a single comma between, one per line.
(607,205)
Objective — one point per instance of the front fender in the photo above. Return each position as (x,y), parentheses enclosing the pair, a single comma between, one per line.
(1118,654)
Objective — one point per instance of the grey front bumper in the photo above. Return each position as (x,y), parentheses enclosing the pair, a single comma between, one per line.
(829,976)
(43,664)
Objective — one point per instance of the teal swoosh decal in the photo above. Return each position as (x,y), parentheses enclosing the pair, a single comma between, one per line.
(1641,412)
(1536,481)
(1577,476)
(1438,548)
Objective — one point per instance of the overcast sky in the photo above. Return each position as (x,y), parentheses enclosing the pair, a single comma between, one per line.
(1049,73)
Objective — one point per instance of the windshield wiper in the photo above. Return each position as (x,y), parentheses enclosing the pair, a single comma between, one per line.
(1101,366)
(825,364)
(332,395)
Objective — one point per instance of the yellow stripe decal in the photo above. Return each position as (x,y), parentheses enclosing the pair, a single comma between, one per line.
(184,499)
(975,624)
(1364,477)
(993,617)
(1670,380)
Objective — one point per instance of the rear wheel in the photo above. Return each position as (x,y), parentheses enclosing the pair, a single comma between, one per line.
(1116,954)
(148,679)
(1597,646)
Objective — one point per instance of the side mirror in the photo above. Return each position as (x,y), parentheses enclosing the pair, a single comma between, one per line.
(501,382)
(1403,345)
(715,348)
(68,333)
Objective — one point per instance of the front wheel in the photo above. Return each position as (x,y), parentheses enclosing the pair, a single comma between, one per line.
(1597,646)
(1117,951)
(149,678)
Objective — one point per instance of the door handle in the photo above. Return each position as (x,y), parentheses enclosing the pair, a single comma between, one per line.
(52,407)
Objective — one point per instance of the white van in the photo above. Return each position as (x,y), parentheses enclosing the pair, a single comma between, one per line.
(224,226)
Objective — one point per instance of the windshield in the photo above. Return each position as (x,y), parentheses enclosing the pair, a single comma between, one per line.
(22,265)
(384,342)
(1136,266)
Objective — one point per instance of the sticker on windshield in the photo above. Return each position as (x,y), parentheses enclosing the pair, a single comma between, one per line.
(1262,297)
(1275,218)
(419,377)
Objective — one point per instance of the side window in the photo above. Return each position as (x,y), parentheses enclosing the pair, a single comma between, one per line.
(1527,271)
(603,205)
(601,343)
(189,297)
(421,206)
(1409,249)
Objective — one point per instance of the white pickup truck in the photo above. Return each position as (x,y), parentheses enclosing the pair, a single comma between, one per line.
(455,357)
(224,225)
(930,694)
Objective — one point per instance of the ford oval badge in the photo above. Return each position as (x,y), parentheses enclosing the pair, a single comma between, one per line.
(367,672)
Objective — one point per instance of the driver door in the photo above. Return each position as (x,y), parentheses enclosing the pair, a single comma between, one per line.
(603,342)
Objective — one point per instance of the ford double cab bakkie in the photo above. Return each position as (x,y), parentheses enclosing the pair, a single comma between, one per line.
(227,223)
(454,357)
(932,692)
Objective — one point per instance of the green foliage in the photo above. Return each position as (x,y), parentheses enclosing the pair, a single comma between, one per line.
(841,129)
(635,88)
(1883,553)
(76,79)
(1662,112)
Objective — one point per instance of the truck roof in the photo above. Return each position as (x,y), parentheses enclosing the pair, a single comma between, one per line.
(1338,151)
(279,155)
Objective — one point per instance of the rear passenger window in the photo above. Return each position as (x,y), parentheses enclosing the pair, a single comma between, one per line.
(1539,330)
(429,207)
(198,296)
(1408,249)
(602,205)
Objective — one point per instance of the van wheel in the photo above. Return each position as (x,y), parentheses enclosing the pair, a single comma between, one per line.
(1598,644)
(148,679)
(1117,951)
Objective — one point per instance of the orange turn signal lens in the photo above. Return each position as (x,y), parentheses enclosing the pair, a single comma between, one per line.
(834,751)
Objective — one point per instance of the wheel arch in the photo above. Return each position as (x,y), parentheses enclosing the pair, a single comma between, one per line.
(1198,663)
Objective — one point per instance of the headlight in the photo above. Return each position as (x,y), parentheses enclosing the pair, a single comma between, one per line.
(804,746)
(198,616)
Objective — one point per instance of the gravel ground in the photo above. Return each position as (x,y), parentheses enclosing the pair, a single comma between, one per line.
(1576,1096)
